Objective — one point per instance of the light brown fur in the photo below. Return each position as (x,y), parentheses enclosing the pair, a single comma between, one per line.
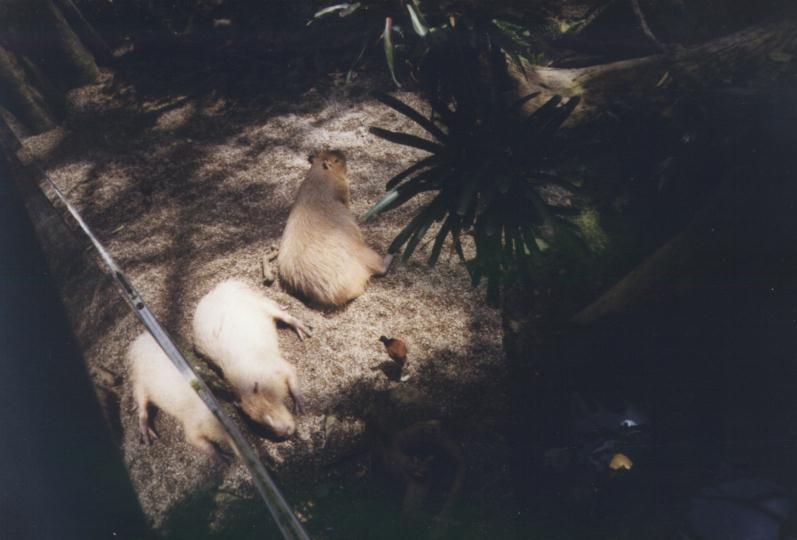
(323,255)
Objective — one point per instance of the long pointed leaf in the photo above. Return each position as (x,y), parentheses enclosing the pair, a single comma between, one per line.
(397,197)
(425,162)
(455,231)
(379,206)
(420,28)
(417,5)
(467,220)
(486,198)
(530,241)
(506,247)
(411,113)
(350,73)
(424,216)
(438,241)
(420,232)
(520,253)
(433,177)
(564,113)
(407,140)
(406,193)
(390,56)
(491,225)
(543,112)
(332,9)
(524,99)
(492,264)
(467,195)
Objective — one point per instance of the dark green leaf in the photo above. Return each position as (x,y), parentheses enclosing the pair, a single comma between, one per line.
(490,223)
(524,99)
(350,73)
(544,112)
(425,162)
(486,197)
(557,120)
(520,252)
(475,271)
(467,197)
(425,216)
(455,231)
(438,241)
(420,232)
(411,113)
(506,246)
(407,140)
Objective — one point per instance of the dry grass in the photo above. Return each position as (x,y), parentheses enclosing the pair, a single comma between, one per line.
(186,192)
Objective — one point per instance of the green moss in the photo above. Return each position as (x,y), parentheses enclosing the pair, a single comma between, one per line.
(588,223)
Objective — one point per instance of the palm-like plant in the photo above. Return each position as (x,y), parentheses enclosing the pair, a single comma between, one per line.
(388,20)
(411,30)
(489,167)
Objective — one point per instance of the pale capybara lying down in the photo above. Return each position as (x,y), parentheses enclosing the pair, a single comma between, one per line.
(323,256)
(156,381)
(234,328)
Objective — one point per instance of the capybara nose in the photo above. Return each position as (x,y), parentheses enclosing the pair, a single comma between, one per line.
(281,428)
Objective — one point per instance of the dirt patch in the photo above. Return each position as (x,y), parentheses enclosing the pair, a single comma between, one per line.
(188,191)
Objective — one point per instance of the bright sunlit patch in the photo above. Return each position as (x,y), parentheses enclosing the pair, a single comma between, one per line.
(620,461)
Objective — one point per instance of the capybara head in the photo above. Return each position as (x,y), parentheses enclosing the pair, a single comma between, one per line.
(266,406)
(334,160)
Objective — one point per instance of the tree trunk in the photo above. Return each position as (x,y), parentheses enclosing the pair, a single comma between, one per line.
(753,64)
(55,100)
(21,97)
(743,61)
(102,52)
(39,30)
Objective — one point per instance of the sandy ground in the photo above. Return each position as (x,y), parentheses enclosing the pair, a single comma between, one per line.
(186,192)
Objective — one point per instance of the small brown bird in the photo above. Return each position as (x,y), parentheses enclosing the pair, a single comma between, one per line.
(396,349)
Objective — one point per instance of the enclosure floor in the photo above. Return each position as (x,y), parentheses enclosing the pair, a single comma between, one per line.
(188,191)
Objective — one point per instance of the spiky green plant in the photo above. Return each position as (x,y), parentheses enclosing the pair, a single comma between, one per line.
(432,25)
(385,20)
(490,169)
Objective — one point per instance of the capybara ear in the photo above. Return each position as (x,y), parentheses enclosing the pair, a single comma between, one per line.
(254,390)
